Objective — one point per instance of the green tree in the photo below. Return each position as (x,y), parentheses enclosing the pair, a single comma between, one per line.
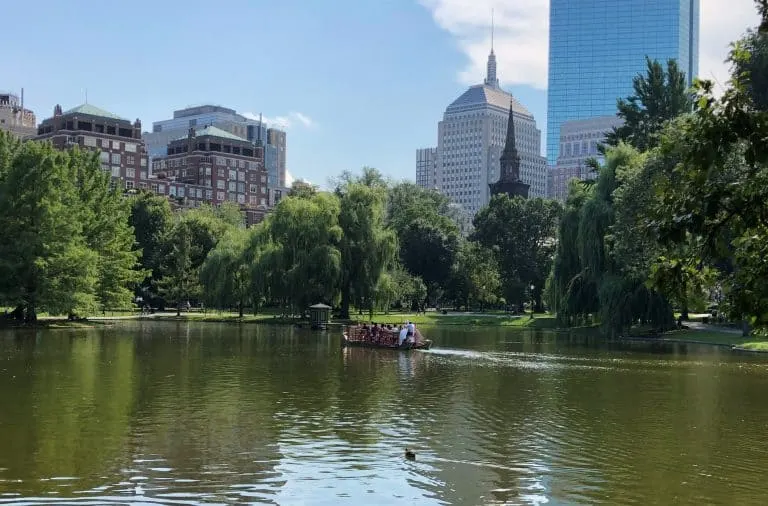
(68,248)
(105,217)
(180,282)
(226,272)
(428,252)
(610,272)
(713,184)
(152,219)
(366,246)
(475,279)
(301,250)
(659,97)
(194,234)
(522,234)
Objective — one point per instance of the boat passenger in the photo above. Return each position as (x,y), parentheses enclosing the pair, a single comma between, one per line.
(411,331)
(403,335)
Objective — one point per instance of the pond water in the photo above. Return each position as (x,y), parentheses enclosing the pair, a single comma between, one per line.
(180,413)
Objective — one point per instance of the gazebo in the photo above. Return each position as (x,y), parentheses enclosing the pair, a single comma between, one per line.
(319,316)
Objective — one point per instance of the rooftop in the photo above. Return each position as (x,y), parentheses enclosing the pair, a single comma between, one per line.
(215,132)
(483,94)
(92,110)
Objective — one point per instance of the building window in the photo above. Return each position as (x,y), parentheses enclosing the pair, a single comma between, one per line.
(130,147)
(207,171)
(220,184)
(263,178)
(220,172)
(263,202)
(130,172)
(254,200)
(130,160)
(143,174)
(219,196)
(89,141)
(172,191)
(253,188)
(180,192)
(232,175)
(116,158)
(143,162)
(241,199)
(240,175)
(232,186)
(104,157)
(161,188)
(115,171)
(115,144)
(241,187)
(209,194)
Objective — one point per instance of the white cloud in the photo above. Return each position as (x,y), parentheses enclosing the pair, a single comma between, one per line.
(289,179)
(522,28)
(284,122)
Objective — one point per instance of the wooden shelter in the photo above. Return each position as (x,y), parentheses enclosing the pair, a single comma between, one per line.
(319,316)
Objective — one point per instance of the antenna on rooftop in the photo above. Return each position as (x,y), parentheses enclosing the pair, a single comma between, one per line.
(491,30)
(86,95)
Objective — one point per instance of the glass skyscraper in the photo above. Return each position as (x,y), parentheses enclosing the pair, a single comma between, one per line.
(596,48)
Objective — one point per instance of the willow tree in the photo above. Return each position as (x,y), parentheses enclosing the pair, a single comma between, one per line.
(605,279)
(226,272)
(304,234)
(367,247)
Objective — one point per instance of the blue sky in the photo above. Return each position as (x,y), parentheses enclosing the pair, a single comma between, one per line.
(356,82)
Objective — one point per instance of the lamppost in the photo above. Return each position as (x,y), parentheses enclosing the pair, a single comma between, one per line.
(533,301)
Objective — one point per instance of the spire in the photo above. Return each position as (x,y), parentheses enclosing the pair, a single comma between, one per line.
(490,78)
(511,169)
(509,164)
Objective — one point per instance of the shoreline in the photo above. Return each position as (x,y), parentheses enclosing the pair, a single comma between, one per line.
(700,334)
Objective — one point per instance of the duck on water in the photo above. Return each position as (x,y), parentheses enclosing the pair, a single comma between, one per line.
(404,337)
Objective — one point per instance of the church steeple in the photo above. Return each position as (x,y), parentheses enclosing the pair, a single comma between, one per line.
(509,164)
(490,77)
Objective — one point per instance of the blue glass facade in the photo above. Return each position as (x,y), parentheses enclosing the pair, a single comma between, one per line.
(596,48)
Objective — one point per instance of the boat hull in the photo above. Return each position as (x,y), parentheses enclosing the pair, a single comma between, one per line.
(421,345)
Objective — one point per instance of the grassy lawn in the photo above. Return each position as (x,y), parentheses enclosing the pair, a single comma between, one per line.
(713,336)
(755,346)
(473,319)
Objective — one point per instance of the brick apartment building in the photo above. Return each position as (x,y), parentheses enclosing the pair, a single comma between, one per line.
(214,166)
(123,153)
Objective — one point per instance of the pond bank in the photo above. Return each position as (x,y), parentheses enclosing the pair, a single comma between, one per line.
(713,335)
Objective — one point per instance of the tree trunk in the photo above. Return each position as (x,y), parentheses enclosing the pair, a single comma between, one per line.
(344,311)
(240,309)
(178,309)
(30,314)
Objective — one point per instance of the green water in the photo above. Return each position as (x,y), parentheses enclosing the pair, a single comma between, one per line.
(166,413)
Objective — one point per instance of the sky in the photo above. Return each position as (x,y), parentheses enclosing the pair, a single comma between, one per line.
(353,82)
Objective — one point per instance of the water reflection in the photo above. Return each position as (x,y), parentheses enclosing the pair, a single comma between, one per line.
(174,413)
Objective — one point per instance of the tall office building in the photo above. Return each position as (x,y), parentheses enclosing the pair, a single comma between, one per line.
(579,140)
(470,141)
(276,139)
(252,130)
(596,48)
(426,168)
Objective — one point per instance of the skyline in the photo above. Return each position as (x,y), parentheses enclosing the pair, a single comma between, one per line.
(346,90)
